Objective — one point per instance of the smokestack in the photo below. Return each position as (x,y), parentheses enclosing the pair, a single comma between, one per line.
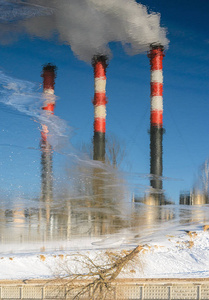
(99,63)
(156,55)
(49,75)
(46,171)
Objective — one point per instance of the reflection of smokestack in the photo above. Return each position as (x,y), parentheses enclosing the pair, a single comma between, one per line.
(99,63)
(46,172)
(156,118)
(49,74)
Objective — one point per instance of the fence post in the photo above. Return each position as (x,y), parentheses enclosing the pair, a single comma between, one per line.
(21,292)
(199,292)
(142,289)
(169,292)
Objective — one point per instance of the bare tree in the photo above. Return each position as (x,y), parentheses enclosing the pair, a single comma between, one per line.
(98,189)
(203,178)
(94,279)
(115,151)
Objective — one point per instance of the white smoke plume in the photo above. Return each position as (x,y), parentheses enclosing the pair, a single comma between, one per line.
(17,10)
(88,26)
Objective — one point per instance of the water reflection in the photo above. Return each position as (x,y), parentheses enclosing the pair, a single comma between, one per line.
(99,196)
(193,198)
(97,203)
(101,213)
(46,171)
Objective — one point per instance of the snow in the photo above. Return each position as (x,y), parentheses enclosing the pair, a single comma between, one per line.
(185,255)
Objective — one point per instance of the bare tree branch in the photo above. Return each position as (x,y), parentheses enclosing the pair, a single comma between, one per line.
(94,277)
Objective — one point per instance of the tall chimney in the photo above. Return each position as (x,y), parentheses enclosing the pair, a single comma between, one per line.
(48,74)
(156,55)
(99,63)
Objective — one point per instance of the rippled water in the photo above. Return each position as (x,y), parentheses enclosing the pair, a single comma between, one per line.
(66,219)
(52,195)
(84,198)
(51,189)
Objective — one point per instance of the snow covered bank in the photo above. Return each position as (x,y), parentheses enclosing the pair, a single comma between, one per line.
(182,256)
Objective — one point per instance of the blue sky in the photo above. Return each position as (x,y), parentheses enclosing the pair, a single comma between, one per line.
(186,92)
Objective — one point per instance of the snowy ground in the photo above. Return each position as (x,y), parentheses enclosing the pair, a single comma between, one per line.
(182,256)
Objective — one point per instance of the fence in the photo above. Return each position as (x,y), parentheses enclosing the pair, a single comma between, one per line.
(149,289)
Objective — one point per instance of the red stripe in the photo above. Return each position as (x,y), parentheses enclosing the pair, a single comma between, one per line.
(43,136)
(99,70)
(99,125)
(48,81)
(156,89)
(156,59)
(99,99)
(156,118)
(49,107)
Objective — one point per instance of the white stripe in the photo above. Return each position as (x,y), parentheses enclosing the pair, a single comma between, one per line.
(49,91)
(100,111)
(99,85)
(157,76)
(156,103)
(48,98)
(45,128)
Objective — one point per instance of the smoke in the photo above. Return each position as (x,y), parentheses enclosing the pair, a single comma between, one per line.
(22,95)
(16,10)
(13,18)
(88,26)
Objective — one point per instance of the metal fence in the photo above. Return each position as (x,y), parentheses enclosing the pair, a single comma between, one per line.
(121,290)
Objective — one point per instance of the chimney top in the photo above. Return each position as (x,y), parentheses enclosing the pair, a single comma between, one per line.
(154,46)
(49,68)
(103,59)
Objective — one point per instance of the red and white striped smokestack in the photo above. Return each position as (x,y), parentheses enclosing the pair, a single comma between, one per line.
(156,55)
(99,63)
(49,75)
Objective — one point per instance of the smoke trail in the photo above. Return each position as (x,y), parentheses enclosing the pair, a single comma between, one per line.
(88,26)
(17,10)
(13,15)
(22,95)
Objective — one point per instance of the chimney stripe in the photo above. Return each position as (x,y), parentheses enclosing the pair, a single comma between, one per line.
(49,77)
(156,103)
(100,85)
(157,76)
(100,99)
(156,59)
(100,125)
(49,107)
(156,89)
(99,70)
(100,111)
(157,118)
(49,91)
(44,132)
